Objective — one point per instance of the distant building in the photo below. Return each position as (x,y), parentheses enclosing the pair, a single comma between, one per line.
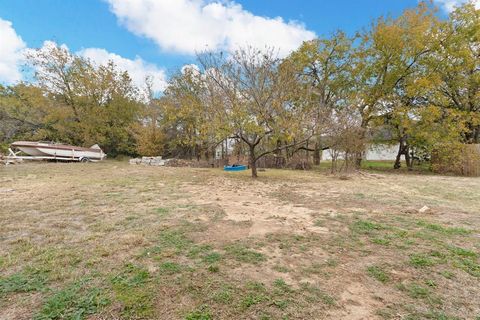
(376,152)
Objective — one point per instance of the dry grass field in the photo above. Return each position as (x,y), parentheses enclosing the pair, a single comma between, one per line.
(114,241)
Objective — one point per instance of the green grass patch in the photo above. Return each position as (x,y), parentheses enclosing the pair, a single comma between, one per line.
(370,164)
(223,295)
(203,313)
(366,227)
(462,252)
(174,239)
(162,211)
(205,254)
(380,241)
(170,268)
(76,301)
(213,268)
(431,283)
(197,251)
(378,273)
(443,230)
(281,304)
(281,286)
(252,299)
(243,254)
(212,257)
(415,291)
(27,280)
(432,314)
(447,274)
(470,266)
(419,260)
(313,294)
(131,288)
(131,276)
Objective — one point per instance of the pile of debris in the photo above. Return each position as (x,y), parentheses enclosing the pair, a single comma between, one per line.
(189,163)
(149,161)
(159,162)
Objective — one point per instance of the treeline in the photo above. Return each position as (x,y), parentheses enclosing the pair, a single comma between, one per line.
(411,80)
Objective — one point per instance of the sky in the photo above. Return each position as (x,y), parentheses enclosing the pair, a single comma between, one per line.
(158,37)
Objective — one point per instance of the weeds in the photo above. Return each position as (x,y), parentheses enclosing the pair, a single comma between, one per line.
(443,230)
(76,301)
(25,281)
(243,254)
(201,314)
(378,273)
(170,268)
(366,227)
(130,287)
(419,260)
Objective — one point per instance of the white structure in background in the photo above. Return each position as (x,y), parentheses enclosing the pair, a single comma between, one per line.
(225,148)
(375,152)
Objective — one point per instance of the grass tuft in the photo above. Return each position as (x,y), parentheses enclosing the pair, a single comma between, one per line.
(243,254)
(25,281)
(201,314)
(443,230)
(170,268)
(378,273)
(366,227)
(76,301)
(132,291)
(419,260)
(162,211)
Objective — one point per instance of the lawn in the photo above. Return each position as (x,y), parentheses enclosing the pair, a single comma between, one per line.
(111,240)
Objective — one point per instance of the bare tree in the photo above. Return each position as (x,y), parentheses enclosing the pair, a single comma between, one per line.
(261,101)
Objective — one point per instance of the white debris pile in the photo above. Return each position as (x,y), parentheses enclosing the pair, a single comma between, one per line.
(149,161)
(424,209)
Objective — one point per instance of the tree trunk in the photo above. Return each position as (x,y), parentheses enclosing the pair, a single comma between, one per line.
(358,160)
(398,159)
(306,153)
(253,162)
(316,154)
(404,149)
(278,156)
(408,159)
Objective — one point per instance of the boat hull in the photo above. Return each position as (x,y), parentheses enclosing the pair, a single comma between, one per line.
(70,153)
(42,149)
(32,151)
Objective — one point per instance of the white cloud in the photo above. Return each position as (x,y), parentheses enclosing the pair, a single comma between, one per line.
(138,69)
(449,5)
(186,26)
(190,67)
(11,48)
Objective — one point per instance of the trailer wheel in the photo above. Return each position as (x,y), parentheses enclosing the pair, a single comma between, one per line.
(84,160)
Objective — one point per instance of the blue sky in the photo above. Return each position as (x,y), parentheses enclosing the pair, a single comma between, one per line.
(162,35)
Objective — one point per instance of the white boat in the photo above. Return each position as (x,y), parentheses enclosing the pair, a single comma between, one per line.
(57,151)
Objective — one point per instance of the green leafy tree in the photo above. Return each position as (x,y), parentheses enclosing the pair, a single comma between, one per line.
(456,68)
(90,104)
(324,67)
(388,57)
